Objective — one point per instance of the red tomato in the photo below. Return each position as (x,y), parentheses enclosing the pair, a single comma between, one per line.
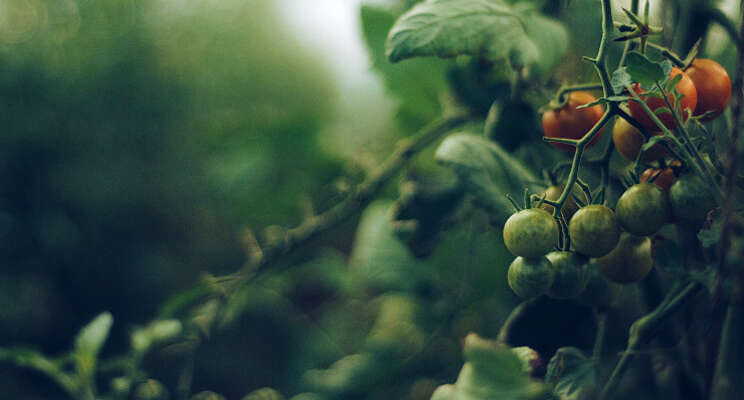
(665,176)
(569,123)
(713,87)
(689,100)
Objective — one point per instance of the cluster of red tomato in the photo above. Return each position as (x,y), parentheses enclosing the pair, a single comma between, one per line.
(613,247)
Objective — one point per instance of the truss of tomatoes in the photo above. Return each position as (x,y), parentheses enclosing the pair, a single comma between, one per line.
(608,247)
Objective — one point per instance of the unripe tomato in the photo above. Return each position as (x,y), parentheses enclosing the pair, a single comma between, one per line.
(630,261)
(643,209)
(569,123)
(690,199)
(685,87)
(665,177)
(531,233)
(570,274)
(713,87)
(593,230)
(600,292)
(553,193)
(530,277)
(628,141)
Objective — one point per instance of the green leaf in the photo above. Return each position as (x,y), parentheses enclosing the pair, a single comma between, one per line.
(487,171)
(643,70)
(621,80)
(91,338)
(379,259)
(492,29)
(491,371)
(416,84)
(572,374)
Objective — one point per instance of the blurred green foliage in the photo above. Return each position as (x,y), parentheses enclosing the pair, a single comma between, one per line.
(141,137)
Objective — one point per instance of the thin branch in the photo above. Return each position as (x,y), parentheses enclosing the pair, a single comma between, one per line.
(646,328)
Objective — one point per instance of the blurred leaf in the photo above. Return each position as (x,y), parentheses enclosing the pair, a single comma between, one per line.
(422,210)
(208,395)
(572,374)
(395,329)
(91,338)
(487,171)
(494,30)
(353,373)
(264,394)
(621,80)
(154,332)
(491,371)
(379,259)
(24,357)
(652,141)
(417,84)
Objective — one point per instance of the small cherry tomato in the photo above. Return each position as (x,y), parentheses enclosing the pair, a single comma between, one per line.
(570,274)
(685,87)
(713,87)
(570,207)
(531,233)
(569,123)
(664,177)
(690,199)
(628,141)
(630,261)
(530,277)
(593,230)
(643,209)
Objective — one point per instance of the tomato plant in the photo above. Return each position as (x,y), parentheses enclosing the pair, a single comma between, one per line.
(392,267)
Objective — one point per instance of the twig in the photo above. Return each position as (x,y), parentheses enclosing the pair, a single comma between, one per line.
(353,204)
(646,327)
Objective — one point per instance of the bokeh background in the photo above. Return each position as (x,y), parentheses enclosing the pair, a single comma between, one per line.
(140,138)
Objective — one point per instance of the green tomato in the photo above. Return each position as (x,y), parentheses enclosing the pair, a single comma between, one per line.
(594,231)
(530,277)
(643,209)
(570,274)
(690,199)
(630,261)
(531,233)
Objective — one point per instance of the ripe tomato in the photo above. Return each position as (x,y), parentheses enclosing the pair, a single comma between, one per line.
(569,207)
(593,230)
(664,177)
(713,87)
(643,209)
(685,87)
(570,274)
(628,141)
(531,233)
(530,277)
(569,123)
(630,261)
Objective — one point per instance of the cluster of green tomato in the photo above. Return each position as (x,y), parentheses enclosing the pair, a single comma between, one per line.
(609,247)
